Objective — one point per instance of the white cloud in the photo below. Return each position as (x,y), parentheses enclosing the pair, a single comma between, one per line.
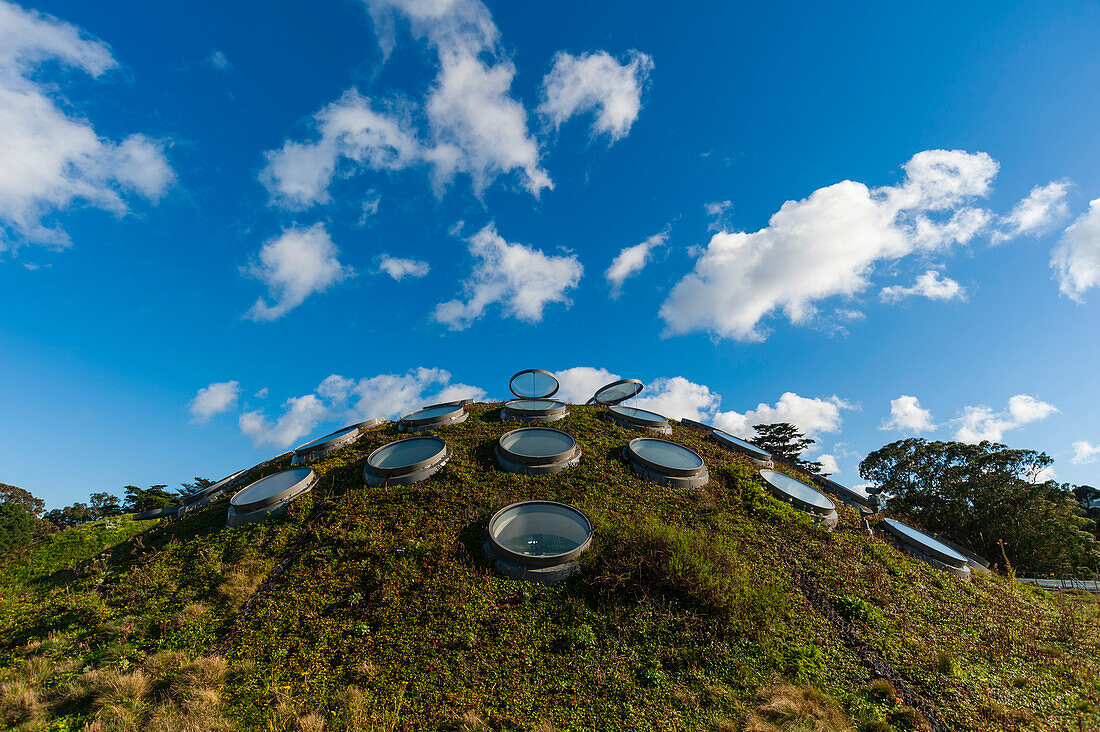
(977,423)
(828,464)
(352,131)
(906,415)
(679,398)
(596,82)
(400,268)
(467,123)
(1044,207)
(293,266)
(216,398)
(929,285)
(828,245)
(300,416)
(813,416)
(351,400)
(218,60)
(718,211)
(523,280)
(578,384)
(1076,260)
(1084,453)
(632,260)
(50,157)
(261,394)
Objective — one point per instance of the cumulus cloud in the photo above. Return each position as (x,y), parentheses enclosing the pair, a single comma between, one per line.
(578,384)
(632,260)
(521,279)
(977,423)
(352,131)
(597,83)
(468,123)
(352,400)
(400,268)
(1043,208)
(812,415)
(906,415)
(293,266)
(828,464)
(216,398)
(50,157)
(300,416)
(829,244)
(1084,453)
(679,398)
(930,285)
(1076,259)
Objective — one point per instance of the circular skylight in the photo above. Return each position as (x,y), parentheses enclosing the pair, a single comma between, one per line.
(539,533)
(534,410)
(742,446)
(640,419)
(156,513)
(406,461)
(213,490)
(924,542)
(534,384)
(848,495)
(325,444)
(273,491)
(667,463)
(801,495)
(617,391)
(537,450)
(432,417)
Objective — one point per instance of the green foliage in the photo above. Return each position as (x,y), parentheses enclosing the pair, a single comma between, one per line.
(986,497)
(851,607)
(785,441)
(650,556)
(144,499)
(16,525)
(11,494)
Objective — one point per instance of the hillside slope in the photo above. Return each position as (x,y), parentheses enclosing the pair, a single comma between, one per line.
(373,608)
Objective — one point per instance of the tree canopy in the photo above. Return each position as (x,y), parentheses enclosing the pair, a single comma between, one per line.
(987,496)
(786,441)
(16,526)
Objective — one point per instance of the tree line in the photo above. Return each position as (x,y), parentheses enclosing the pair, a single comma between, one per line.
(23,518)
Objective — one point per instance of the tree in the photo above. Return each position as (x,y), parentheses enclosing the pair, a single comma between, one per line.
(104,504)
(16,525)
(987,496)
(785,441)
(74,515)
(143,499)
(9,493)
(187,489)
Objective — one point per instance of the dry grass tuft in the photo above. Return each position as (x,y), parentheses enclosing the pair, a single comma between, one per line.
(785,707)
(241,583)
(19,704)
(310,723)
(115,687)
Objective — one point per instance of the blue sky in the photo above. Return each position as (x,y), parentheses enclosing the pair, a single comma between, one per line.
(228,228)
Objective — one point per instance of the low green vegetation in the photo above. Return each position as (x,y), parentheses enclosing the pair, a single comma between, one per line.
(375,609)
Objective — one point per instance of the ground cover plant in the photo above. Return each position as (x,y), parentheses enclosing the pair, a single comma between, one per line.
(374,608)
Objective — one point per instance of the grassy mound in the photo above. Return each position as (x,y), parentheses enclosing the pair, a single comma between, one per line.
(373,608)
